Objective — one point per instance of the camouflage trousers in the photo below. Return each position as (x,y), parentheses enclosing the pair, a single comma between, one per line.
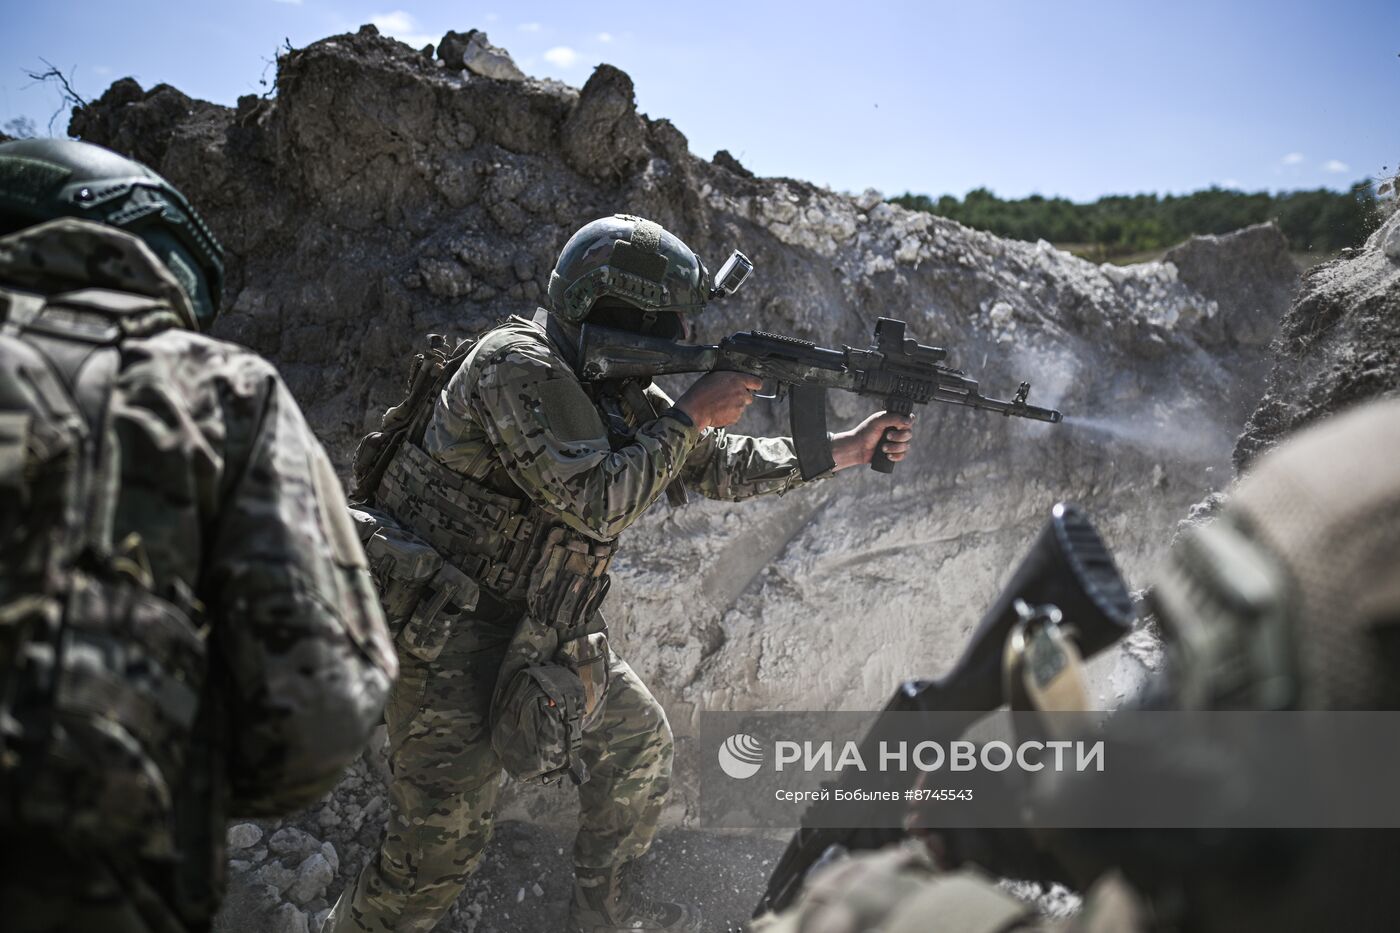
(446,777)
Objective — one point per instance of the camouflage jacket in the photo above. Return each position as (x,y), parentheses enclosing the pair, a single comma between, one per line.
(517,412)
(233,499)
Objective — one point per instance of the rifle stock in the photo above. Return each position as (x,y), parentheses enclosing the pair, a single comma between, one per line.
(1069,567)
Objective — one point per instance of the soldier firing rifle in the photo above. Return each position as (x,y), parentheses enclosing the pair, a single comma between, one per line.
(895,368)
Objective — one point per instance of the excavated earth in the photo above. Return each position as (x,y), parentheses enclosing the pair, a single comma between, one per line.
(382,195)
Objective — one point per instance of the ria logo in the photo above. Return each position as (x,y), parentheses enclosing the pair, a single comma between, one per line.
(741,756)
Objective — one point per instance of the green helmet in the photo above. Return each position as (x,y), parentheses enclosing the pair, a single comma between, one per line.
(44,179)
(630,259)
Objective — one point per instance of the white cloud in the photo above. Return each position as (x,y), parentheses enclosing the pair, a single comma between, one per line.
(397,21)
(1293,158)
(604,37)
(289,2)
(1231,184)
(529,27)
(1335,166)
(101,70)
(492,17)
(561,55)
(402,26)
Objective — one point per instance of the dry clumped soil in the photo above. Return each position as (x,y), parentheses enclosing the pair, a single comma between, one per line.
(384,193)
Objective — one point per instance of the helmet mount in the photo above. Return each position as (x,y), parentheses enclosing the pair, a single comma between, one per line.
(637,262)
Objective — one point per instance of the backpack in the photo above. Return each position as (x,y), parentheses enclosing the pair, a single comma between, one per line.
(101,678)
(428,374)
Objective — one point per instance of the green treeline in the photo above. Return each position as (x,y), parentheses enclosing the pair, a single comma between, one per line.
(1118,225)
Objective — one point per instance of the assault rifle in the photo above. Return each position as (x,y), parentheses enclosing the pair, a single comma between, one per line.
(896,369)
(1070,578)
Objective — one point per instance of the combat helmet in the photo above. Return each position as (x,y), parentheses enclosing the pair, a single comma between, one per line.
(637,262)
(44,179)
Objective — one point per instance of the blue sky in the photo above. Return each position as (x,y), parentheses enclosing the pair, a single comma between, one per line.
(1062,98)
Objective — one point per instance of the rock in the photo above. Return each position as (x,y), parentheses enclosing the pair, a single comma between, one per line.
(603,137)
(288,919)
(1391,239)
(473,51)
(868,199)
(292,843)
(244,835)
(330,855)
(250,902)
(275,875)
(727,162)
(312,876)
(445,278)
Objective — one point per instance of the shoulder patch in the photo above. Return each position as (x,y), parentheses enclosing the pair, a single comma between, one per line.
(569,412)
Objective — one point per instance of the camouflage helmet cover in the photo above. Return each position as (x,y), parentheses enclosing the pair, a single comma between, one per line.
(629,258)
(44,179)
(1292,598)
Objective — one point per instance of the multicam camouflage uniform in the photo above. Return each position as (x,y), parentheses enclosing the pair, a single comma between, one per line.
(517,441)
(222,504)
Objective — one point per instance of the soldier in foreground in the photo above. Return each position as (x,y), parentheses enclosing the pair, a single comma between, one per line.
(494,500)
(187,628)
(1304,559)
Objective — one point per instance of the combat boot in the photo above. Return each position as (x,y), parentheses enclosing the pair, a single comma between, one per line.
(604,902)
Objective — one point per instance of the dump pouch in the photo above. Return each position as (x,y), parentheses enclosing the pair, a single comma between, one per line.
(537,725)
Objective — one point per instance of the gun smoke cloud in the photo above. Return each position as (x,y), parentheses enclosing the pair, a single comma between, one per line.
(1181,439)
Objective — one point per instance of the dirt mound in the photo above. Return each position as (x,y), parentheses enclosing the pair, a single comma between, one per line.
(1338,345)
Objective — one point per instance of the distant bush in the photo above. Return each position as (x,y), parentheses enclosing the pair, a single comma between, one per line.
(1313,221)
